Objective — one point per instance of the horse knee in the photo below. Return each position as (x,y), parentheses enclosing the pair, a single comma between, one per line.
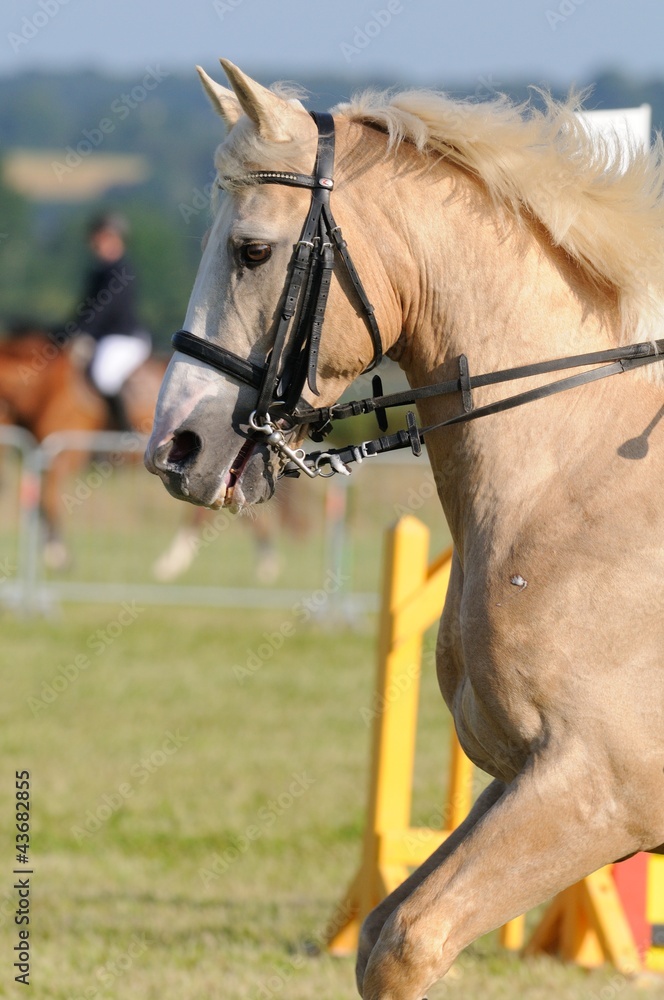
(411,953)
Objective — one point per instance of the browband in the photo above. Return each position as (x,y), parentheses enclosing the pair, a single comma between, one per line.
(292,180)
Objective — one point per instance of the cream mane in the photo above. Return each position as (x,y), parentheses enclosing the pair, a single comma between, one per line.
(544,163)
(540,164)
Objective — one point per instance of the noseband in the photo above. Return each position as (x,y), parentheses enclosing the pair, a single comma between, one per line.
(293,360)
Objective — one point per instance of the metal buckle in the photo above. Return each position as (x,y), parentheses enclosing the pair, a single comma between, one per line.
(362,448)
(275,439)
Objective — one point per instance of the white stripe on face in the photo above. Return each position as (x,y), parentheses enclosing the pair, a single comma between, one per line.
(187,383)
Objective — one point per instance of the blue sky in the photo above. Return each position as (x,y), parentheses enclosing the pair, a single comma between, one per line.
(424,41)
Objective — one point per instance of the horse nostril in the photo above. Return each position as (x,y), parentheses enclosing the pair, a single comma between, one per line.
(185,447)
(173,454)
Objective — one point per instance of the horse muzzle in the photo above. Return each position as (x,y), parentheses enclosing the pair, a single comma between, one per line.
(184,465)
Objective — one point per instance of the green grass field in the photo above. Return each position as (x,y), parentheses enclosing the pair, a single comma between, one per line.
(193,827)
(199,781)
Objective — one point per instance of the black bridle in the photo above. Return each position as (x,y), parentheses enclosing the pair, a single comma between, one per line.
(293,360)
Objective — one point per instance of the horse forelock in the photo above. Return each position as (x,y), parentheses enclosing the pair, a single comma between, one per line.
(244,148)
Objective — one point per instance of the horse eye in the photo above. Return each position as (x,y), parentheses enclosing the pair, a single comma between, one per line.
(252,254)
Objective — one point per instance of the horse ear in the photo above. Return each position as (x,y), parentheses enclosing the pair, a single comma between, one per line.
(269,113)
(222,99)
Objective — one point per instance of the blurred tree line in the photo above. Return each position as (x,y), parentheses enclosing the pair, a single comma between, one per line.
(166,119)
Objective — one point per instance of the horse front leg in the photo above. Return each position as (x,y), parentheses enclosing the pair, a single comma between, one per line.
(374,923)
(554,824)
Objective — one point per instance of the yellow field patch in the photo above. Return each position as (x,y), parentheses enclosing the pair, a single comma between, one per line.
(47,175)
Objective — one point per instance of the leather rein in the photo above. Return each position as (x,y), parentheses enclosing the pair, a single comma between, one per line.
(293,361)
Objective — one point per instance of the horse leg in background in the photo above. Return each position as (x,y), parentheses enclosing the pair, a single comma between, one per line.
(53,509)
(4,452)
(291,504)
(181,553)
(268,562)
(550,827)
(289,512)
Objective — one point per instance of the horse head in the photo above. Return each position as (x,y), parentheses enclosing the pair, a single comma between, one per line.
(202,445)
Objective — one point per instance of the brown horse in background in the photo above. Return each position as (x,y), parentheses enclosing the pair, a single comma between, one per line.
(44,389)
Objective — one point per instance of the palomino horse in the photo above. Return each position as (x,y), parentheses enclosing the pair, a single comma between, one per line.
(507,237)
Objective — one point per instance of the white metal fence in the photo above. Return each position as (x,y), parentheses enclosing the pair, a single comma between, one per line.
(317,544)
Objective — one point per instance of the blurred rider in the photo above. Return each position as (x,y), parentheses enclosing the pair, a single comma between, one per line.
(107,314)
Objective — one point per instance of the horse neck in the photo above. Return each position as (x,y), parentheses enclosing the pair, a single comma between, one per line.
(476,283)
